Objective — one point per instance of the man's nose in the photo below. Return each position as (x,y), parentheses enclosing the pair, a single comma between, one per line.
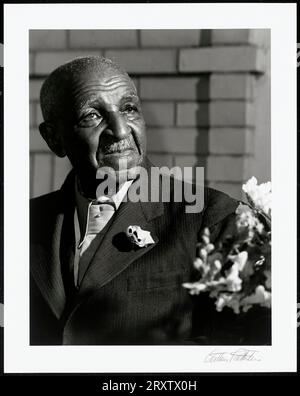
(117,125)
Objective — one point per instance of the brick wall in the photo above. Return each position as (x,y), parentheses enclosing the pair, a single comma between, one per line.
(204,95)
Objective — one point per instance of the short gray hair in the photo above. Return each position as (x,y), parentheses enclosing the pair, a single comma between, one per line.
(56,85)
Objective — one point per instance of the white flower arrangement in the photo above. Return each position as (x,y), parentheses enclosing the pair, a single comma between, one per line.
(258,196)
(237,272)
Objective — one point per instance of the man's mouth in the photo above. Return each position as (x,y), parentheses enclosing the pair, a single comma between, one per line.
(121,147)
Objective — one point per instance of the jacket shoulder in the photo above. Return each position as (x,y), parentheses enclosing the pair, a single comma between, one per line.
(54,201)
(217,206)
(43,213)
(44,202)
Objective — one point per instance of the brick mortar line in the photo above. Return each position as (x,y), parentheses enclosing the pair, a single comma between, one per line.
(43,51)
(247,127)
(244,126)
(222,45)
(227,182)
(176,101)
(39,152)
(204,154)
(239,100)
(231,155)
(162,128)
(136,48)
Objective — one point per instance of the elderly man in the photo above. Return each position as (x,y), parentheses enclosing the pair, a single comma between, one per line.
(89,283)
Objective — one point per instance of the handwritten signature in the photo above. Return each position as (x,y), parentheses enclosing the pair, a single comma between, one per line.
(238,355)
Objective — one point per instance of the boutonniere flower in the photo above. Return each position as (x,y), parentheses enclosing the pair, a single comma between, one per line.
(139,237)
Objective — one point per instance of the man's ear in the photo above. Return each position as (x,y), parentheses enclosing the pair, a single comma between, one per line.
(53,138)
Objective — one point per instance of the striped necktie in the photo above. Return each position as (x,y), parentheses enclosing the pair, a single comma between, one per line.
(98,216)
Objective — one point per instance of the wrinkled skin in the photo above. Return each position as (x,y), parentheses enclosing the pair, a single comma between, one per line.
(102,124)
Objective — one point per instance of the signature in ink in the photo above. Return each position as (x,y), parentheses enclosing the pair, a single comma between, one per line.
(238,355)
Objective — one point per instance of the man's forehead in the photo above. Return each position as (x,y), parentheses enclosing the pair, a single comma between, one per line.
(85,74)
(110,80)
(104,77)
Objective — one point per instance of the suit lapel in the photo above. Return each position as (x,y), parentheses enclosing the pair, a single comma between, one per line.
(115,253)
(48,247)
(45,269)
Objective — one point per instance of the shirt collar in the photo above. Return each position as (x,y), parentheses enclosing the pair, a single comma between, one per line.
(83,203)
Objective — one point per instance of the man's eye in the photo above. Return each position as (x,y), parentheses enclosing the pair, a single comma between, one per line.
(90,119)
(91,116)
(130,109)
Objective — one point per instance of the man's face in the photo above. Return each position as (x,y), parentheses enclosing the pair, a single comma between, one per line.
(103,124)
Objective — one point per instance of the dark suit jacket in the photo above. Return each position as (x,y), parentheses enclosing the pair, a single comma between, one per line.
(127,295)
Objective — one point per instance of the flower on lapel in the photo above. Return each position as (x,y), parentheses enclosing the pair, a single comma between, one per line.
(139,237)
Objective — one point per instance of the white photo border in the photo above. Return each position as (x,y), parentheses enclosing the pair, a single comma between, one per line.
(19,356)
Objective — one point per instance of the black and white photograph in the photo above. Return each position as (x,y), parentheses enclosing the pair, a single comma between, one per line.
(151,191)
(173,98)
